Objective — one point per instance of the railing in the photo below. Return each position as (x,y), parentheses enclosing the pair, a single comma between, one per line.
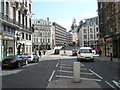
(13,21)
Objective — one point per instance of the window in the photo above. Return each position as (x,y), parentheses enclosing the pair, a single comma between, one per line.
(4,27)
(7,8)
(91,30)
(26,21)
(22,35)
(29,37)
(2,7)
(85,31)
(97,29)
(26,36)
(91,36)
(19,18)
(8,29)
(85,36)
(14,13)
(23,19)
(30,7)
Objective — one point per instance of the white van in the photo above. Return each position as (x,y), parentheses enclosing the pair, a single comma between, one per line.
(85,53)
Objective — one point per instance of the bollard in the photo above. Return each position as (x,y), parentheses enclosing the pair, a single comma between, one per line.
(111,58)
(76,72)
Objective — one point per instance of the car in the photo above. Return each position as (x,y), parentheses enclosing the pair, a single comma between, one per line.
(85,53)
(31,57)
(57,51)
(74,52)
(14,61)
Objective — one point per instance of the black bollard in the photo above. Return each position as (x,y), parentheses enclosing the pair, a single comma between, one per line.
(111,58)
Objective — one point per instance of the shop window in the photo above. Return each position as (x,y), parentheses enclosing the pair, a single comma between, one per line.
(10,50)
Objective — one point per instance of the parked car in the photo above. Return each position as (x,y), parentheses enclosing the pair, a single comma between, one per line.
(85,53)
(31,57)
(74,52)
(57,51)
(14,61)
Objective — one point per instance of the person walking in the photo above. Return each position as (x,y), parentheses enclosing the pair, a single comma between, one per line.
(40,53)
(100,52)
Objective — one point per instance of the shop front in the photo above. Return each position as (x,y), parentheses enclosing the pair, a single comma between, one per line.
(0,45)
(109,46)
(101,45)
(8,46)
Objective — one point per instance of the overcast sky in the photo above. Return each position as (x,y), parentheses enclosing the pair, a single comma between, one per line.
(64,11)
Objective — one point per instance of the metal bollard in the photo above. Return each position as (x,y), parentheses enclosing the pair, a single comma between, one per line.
(76,72)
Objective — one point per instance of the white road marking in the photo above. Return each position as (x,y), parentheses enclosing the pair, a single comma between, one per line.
(116,83)
(70,77)
(65,71)
(60,76)
(82,65)
(86,73)
(110,84)
(67,65)
(95,74)
(98,80)
(57,64)
(51,76)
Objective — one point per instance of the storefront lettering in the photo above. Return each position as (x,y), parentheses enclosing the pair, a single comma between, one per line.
(7,37)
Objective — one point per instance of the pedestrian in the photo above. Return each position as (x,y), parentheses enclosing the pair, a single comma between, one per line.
(40,53)
(44,52)
(100,52)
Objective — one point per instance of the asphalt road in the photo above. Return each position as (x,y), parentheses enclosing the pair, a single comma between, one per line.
(54,67)
(34,75)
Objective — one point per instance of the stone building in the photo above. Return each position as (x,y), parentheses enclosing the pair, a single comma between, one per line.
(43,34)
(15,27)
(60,34)
(88,32)
(109,24)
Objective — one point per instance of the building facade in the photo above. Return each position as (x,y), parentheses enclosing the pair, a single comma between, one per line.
(109,24)
(60,34)
(88,32)
(43,34)
(16,29)
(69,38)
(74,28)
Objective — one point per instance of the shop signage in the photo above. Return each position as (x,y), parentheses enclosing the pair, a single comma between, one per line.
(8,37)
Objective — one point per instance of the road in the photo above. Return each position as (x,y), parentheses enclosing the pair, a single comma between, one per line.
(54,67)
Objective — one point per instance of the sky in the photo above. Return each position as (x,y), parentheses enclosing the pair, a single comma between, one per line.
(64,11)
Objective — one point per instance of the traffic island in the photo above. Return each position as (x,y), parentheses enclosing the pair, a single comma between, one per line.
(68,83)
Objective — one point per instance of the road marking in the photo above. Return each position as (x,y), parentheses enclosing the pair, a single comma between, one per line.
(110,84)
(57,64)
(116,83)
(95,74)
(65,71)
(67,65)
(70,77)
(60,76)
(98,80)
(51,76)
(86,73)
(82,65)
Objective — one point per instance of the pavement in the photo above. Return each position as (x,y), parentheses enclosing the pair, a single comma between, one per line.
(107,59)
(68,83)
